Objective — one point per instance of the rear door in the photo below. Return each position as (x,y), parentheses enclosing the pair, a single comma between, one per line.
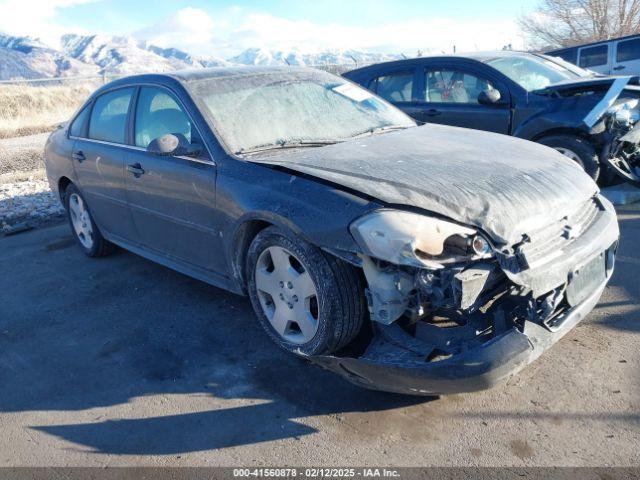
(449,96)
(626,57)
(172,199)
(98,159)
(595,58)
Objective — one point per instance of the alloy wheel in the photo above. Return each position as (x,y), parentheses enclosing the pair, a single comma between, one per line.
(81,220)
(287,294)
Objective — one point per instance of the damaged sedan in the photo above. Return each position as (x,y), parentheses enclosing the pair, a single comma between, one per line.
(420,260)
(591,119)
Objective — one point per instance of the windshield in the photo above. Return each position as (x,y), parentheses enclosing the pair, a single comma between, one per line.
(298,107)
(534,72)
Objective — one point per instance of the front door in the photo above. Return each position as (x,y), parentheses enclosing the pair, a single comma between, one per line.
(98,160)
(172,199)
(450,97)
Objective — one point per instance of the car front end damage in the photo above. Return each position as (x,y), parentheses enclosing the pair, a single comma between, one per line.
(613,123)
(453,312)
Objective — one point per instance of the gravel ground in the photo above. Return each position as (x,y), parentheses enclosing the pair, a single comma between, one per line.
(27,205)
(25,198)
(22,154)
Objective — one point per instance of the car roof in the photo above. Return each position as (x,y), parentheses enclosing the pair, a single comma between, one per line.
(235,71)
(473,56)
(192,75)
(590,44)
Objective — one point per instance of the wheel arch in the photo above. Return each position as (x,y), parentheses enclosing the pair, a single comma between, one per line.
(562,131)
(63,184)
(246,229)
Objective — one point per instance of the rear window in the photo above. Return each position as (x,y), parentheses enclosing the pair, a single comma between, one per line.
(594,56)
(109,116)
(628,50)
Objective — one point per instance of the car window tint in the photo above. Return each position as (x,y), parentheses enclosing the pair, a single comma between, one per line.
(593,56)
(452,86)
(77,127)
(395,87)
(109,116)
(570,55)
(157,114)
(628,50)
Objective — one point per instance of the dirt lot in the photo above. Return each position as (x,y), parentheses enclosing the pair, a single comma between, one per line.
(119,361)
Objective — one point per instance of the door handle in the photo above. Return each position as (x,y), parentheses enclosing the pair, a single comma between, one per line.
(432,112)
(79,156)
(136,169)
(619,67)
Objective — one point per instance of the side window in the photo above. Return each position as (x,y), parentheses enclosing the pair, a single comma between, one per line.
(570,55)
(594,56)
(109,116)
(454,86)
(628,50)
(395,87)
(77,127)
(157,114)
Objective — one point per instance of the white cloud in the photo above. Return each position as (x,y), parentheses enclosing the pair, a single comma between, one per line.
(434,34)
(33,18)
(235,29)
(189,28)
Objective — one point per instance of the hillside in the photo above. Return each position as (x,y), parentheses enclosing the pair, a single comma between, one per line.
(87,55)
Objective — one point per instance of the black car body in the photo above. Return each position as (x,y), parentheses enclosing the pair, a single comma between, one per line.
(462,254)
(540,98)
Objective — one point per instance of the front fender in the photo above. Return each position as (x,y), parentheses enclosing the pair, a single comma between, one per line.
(251,196)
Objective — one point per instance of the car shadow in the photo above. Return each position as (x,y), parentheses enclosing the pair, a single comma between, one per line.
(129,329)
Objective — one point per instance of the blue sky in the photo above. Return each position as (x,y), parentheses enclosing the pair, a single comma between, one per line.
(224,27)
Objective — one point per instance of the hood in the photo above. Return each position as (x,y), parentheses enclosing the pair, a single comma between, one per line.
(503,185)
(611,88)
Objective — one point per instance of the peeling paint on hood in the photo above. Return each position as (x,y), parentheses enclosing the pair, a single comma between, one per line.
(503,185)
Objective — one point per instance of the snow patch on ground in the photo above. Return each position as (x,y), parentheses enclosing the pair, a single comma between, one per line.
(27,204)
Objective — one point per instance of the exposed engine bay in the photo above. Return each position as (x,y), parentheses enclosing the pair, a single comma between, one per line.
(434,316)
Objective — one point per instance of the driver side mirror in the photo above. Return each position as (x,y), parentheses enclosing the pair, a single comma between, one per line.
(175,145)
(489,97)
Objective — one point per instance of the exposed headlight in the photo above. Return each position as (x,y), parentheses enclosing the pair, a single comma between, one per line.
(626,111)
(406,238)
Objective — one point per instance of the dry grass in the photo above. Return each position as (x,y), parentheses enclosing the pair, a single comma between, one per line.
(25,109)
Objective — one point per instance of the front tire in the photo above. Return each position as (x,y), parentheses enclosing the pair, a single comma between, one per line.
(83,228)
(307,301)
(577,149)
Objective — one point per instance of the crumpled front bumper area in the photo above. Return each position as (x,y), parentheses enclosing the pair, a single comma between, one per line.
(387,367)
(395,361)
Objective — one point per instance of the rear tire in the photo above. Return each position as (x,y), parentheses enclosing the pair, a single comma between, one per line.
(83,228)
(307,301)
(577,149)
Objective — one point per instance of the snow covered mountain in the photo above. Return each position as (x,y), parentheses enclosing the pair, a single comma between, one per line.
(193,61)
(80,55)
(24,58)
(263,56)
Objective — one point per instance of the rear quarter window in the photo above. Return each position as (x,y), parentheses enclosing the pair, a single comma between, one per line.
(77,127)
(628,50)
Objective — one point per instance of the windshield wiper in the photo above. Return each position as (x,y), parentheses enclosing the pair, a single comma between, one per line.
(284,144)
(377,130)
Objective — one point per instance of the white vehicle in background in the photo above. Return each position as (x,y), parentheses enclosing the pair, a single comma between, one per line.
(617,56)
